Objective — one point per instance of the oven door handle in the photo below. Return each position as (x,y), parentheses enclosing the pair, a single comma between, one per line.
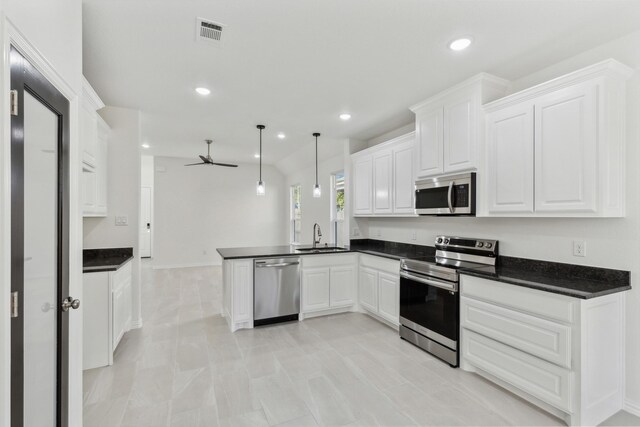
(449,200)
(452,287)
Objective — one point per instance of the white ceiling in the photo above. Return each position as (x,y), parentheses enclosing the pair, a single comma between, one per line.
(294,65)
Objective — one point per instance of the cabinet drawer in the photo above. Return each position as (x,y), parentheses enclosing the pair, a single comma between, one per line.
(380,263)
(549,340)
(538,303)
(330,260)
(540,379)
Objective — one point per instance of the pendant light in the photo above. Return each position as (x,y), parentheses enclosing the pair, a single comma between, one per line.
(260,188)
(317,192)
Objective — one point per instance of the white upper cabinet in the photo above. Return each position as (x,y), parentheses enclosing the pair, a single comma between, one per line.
(557,149)
(383,178)
(565,149)
(449,126)
(509,171)
(382,182)
(362,186)
(94,134)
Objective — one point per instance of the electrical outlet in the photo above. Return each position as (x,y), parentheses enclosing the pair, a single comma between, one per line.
(579,248)
(122,220)
(414,235)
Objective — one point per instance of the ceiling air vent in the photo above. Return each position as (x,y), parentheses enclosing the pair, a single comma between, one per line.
(209,31)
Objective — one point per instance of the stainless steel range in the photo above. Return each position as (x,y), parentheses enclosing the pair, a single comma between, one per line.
(429,298)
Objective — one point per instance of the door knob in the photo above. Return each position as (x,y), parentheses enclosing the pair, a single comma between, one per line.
(70,303)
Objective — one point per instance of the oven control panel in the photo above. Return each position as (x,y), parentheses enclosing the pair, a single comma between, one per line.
(463,244)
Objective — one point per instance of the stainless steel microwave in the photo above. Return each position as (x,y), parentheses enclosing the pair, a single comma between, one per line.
(446,195)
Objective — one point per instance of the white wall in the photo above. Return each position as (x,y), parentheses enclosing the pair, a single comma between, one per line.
(58,52)
(612,243)
(201,208)
(123,194)
(314,210)
(147,172)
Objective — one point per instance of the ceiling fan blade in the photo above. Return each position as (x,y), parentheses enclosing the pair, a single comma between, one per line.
(195,164)
(224,164)
(204,159)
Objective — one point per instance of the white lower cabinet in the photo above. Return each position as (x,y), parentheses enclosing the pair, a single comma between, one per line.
(561,353)
(328,282)
(237,293)
(379,287)
(107,314)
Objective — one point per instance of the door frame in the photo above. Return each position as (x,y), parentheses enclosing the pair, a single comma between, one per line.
(11,36)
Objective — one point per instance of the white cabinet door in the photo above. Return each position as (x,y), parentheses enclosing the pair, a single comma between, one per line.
(459,135)
(429,139)
(382,182)
(368,288)
(565,150)
(342,284)
(388,297)
(89,186)
(509,172)
(88,133)
(118,316)
(128,306)
(362,185)
(403,179)
(242,297)
(315,289)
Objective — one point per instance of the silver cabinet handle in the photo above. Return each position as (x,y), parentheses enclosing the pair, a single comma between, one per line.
(449,197)
(453,287)
(70,303)
(280,264)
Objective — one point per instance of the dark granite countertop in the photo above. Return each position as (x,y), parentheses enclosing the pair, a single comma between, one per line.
(108,259)
(576,281)
(392,250)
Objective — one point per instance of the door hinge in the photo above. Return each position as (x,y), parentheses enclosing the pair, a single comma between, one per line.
(14,102)
(14,304)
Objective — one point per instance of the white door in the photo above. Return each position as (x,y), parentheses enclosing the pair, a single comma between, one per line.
(566,149)
(403,179)
(368,288)
(315,289)
(429,160)
(459,135)
(145,221)
(362,185)
(382,182)
(342,283)
(388,297)
(509,172)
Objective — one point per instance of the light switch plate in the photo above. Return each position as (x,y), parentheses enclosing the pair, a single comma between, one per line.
(122,220)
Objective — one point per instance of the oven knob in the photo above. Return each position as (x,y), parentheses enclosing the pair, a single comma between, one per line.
(439,240)
(446,241)
(479,244)
(488,245)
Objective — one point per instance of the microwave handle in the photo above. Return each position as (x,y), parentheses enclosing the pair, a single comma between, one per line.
(449,194)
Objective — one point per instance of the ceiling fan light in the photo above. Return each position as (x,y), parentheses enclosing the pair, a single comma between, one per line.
(260,188)
(317,191)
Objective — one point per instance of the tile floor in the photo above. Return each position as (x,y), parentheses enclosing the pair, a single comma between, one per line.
(184,368)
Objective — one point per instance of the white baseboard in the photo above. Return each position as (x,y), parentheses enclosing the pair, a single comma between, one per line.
(632,407)
(136,324)
(186,265)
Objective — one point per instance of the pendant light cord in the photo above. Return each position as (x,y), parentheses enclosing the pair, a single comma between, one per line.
(260,155)
(316,160)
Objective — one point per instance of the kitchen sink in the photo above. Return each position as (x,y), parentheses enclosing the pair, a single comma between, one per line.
(320,249)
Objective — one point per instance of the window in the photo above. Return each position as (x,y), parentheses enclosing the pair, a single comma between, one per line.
(337,208)
(296,213)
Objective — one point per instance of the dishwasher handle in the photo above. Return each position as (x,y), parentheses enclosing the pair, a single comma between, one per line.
(279,264)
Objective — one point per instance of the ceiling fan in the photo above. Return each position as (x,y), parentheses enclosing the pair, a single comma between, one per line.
(208,160)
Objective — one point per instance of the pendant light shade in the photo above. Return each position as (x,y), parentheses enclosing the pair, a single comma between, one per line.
(260,187)
(317,191)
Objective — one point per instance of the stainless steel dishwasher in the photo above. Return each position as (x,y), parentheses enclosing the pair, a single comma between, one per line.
(276,290)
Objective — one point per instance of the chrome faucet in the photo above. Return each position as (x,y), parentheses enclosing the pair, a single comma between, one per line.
(316,242)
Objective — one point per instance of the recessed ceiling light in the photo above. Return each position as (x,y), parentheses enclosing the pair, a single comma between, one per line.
(203,91)
(345,116)
(257,156)
(281,135)
(460,44)
(145,145)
